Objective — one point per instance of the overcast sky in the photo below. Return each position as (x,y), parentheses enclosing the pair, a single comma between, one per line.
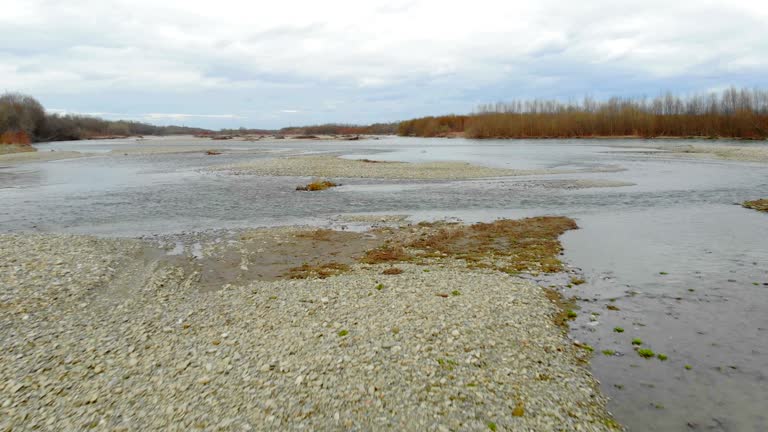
(269,64)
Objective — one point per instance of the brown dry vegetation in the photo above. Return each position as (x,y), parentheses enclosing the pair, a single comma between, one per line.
(731,113)
(507,245)
(318,234)
(392,271)
(317,186)
(23,113)
(16,137)
(386,254)
(320,271)
(759,205)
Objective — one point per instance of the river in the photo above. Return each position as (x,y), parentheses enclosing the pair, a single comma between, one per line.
(682,267)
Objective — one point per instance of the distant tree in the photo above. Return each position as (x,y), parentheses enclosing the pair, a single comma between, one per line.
(731,113)
(22,113)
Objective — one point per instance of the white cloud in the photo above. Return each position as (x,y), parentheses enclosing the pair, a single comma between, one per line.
(177,116)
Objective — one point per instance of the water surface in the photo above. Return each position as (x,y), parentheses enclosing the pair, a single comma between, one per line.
(686,268)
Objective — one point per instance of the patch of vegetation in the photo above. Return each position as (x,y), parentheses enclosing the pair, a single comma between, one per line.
(563,305)
(380,286)
(320,271)
(571,314)
(519,410)
(317,186)
(492,426)
(392,271)
(662,357)
(637,341)
(447,363)
(318,234)
(507,245)
(343,333)
(688,367)
(618,330)
(609,352)
(663,273)
(637,117)
(646,353)
(386,254)
(455,293)
(612,307)
(577,281)
(759,205)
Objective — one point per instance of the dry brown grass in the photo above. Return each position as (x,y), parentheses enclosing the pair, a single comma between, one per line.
(392,271)
(759,205)
(320,271)
(318,234)
(317,186)
(386,254)
(508,245)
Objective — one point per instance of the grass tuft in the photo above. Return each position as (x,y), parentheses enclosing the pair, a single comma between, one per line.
(646,353)
(392,271)
(320,271)
(317,186)
(759,205)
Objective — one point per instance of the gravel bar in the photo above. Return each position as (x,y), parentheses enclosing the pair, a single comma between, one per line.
(96,336)
(325,166)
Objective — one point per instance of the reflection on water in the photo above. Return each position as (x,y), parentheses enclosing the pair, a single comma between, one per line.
(708,310)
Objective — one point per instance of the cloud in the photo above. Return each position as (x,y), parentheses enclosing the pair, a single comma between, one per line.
(376,60)
(177,116)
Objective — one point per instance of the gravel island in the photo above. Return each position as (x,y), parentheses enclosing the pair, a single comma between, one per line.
(99,334)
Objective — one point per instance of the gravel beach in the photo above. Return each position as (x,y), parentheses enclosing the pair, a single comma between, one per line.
(38,156)
(734,153)
(99,334)
(325,166)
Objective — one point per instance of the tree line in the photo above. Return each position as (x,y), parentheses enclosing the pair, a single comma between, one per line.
(23,120)
(734,113)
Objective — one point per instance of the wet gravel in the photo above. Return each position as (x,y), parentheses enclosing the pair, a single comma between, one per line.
(96,336)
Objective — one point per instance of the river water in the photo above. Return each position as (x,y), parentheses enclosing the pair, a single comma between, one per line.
(682,267)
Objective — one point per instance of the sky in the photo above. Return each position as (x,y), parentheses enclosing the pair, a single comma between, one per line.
(270,64)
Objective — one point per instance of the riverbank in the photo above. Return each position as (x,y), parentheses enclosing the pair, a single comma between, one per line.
(15,148)
(110,334)
(38,156)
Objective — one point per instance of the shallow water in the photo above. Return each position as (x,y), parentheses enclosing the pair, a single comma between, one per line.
(678,218)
